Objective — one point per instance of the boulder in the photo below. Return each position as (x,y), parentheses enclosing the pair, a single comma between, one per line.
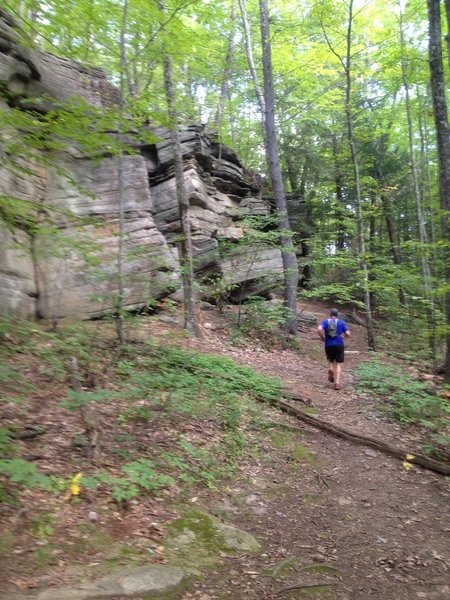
(151,581)
(307,319)
(199,539)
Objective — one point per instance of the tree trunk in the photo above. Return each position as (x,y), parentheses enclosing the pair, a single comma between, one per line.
(372,244)
(340,241)
(121,185)
(359,213)
(291,172)
(290,266)
(443,147)
(423,238)
(390,225)
(250,60)
(185,243)
(218,117)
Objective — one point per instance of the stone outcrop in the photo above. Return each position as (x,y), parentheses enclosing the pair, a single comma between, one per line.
(71,268)
(151,581)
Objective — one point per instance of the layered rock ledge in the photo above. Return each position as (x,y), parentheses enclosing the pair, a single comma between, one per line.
(70,269)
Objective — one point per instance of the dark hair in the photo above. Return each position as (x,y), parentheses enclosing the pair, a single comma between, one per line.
(334,312)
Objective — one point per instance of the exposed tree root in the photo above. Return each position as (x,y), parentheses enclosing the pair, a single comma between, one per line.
(428,463)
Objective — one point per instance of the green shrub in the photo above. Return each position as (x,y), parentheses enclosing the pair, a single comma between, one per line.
(409,400)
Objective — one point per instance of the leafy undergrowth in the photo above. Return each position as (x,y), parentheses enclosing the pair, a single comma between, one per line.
(410,401)
(97,446)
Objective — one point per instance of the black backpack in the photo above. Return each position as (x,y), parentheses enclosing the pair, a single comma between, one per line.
(332,328)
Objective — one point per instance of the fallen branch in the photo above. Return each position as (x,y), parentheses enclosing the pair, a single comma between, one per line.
(428,463)
(31,432)
(32,457)
(290,396)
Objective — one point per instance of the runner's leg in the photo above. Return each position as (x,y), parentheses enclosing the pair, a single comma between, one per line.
(331,374)
(337,373)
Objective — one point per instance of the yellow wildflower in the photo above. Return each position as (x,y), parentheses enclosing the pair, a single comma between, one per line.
(410,457)
(407,465)
(74,488)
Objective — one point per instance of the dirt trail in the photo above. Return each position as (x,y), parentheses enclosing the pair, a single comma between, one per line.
(328,511)
(325,510)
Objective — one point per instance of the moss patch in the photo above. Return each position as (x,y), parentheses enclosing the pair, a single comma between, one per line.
(322,569)
(302,453)
(283,568)
(198,539)
(281,439)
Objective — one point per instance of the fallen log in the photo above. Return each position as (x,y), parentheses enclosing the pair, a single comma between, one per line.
(423,461)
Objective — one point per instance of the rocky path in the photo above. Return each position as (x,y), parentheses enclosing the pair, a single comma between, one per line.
(329,513)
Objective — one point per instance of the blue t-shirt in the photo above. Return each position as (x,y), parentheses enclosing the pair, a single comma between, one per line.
(338,340)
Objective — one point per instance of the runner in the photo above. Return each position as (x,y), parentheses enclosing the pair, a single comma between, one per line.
(332,331)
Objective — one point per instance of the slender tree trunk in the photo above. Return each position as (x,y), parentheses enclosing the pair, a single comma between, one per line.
(185,244)
(390,224)
(218,117)
(387,209)
(426,275)
(121,184)
(359,213)
(290,266)
(340,241)
(443,146)
(391,231)
(428,192)
(302,187)
(292,174)
(372,238)
(250,59)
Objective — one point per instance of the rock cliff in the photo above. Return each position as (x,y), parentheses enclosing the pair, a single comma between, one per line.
(69,268)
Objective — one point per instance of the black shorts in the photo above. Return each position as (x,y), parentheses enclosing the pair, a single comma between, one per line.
(335,353)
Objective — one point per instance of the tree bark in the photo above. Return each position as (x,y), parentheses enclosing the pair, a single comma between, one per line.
(290,266)
(443,147)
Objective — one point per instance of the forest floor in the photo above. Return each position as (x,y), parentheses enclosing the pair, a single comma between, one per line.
(383,529)
(344,518)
